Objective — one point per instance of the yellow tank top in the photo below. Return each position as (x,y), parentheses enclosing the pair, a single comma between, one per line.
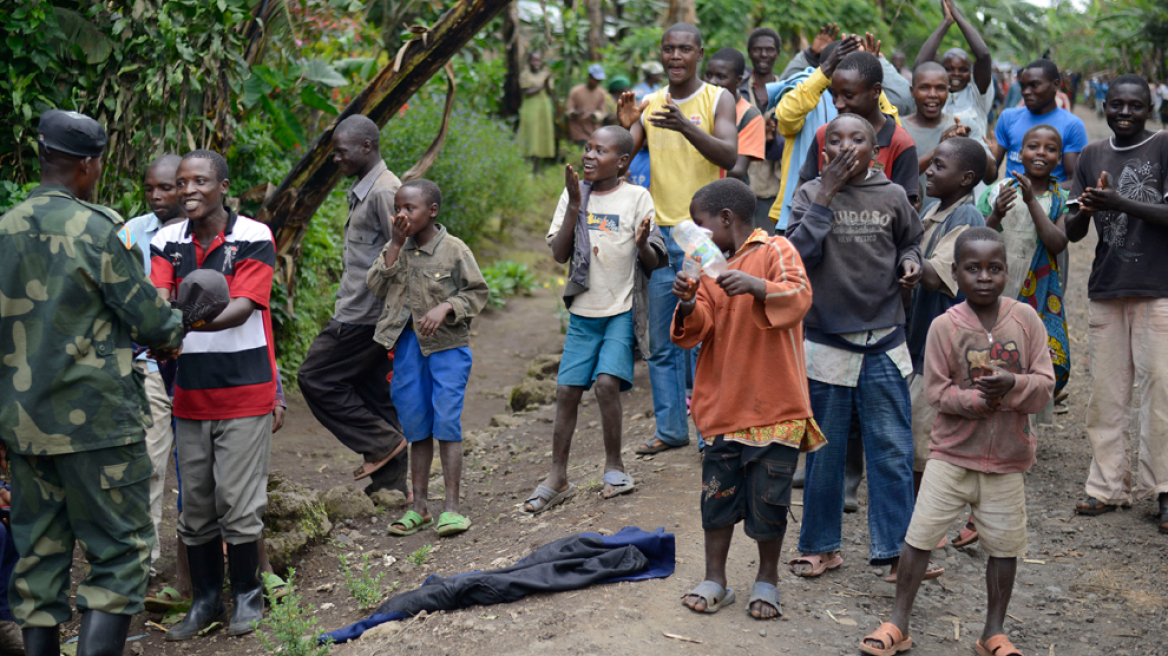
(677,170)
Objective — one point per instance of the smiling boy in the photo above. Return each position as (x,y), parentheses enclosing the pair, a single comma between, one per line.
(1122,185)
(727,69)
(690,129)
(971,89)
(604,227)
(224,395)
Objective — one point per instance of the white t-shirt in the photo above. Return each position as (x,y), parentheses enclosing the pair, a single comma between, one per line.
(613,217)
(973,108)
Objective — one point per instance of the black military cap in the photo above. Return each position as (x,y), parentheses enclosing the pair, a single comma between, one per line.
(202,295)
(72,133)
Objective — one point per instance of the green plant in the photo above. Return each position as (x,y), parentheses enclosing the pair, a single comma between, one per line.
(362,584)
(420,556)
(289,628)
(482,174)
(505,279)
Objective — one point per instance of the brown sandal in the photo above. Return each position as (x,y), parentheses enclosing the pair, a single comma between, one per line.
(818,564)
(1092,507)
(998,645)
(892,641)
(367,469)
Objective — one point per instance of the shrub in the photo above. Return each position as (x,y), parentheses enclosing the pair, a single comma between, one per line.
(505,279)
(289,627)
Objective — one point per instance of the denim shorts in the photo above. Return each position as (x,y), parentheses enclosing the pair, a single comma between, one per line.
(598,345)
(745,483)
(429,390)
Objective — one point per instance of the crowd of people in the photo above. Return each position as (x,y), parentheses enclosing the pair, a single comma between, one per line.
(883,296)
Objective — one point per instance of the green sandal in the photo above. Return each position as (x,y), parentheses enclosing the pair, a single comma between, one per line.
(412,521)
(450,523)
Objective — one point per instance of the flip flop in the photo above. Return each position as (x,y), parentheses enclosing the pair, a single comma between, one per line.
(278,586)
(621,483)
(767,594)
(547,498)
(817,563)
(966,537)
(412,521)
(1092,507)
(452,523)
(713,594)
(891,639)
(166,599)
(998,645)
(649,448)
(933,572)
(367,469)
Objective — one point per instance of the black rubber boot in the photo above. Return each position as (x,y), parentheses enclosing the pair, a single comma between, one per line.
(247,590)
(853,474)
(103,634)
(42,641)
(206,562)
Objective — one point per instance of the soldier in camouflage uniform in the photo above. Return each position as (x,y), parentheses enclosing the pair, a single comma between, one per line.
(73,410)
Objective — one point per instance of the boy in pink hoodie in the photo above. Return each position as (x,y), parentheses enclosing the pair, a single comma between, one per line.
(987,369)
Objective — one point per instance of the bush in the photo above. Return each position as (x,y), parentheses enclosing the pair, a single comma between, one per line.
(481,172)
(505,279)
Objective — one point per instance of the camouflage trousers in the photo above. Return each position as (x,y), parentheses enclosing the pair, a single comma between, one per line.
(100,499)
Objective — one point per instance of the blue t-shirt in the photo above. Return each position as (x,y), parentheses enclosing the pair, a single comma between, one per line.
(1014,123)
(639,169)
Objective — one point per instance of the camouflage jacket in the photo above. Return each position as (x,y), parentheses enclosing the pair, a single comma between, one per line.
(73,295)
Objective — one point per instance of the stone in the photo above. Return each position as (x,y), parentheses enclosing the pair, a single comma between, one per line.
(470,442)
(295,517)
(347,502)
(531,393)
(388,498)
(544,367)
(506,421)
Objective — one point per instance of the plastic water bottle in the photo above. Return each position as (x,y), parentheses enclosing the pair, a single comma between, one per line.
(702,255)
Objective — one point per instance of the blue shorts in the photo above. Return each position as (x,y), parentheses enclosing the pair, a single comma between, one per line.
(598,345)
(428,391)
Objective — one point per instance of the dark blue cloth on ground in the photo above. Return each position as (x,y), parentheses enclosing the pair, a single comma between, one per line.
(571,563)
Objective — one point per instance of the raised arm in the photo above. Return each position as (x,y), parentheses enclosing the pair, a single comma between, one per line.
(983,61)
(929,48)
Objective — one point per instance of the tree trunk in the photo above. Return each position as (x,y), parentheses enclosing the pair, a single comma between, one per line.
(681,11)
(595,9)
(512,95)
(288,211)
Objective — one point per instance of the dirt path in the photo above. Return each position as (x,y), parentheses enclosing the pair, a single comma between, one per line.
(1087,587)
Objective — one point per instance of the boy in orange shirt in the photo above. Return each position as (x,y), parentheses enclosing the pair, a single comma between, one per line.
(749,324)
(727,69)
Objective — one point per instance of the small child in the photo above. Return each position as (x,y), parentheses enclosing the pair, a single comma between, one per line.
(957,165)
(430,298)
(987,368)
(1039,218)
(860,239)
(604,226)
(748,323)
(727,69)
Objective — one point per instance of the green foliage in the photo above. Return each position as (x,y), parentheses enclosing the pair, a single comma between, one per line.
(289,628)
(481,172)
(420,556)
(505,279)
(362,584)
(156,73)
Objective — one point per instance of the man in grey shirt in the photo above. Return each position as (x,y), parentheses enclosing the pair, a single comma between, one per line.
(345,377)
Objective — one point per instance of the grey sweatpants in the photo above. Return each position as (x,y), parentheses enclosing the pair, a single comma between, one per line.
(224,465)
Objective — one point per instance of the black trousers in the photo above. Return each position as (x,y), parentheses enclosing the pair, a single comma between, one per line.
(344,380)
